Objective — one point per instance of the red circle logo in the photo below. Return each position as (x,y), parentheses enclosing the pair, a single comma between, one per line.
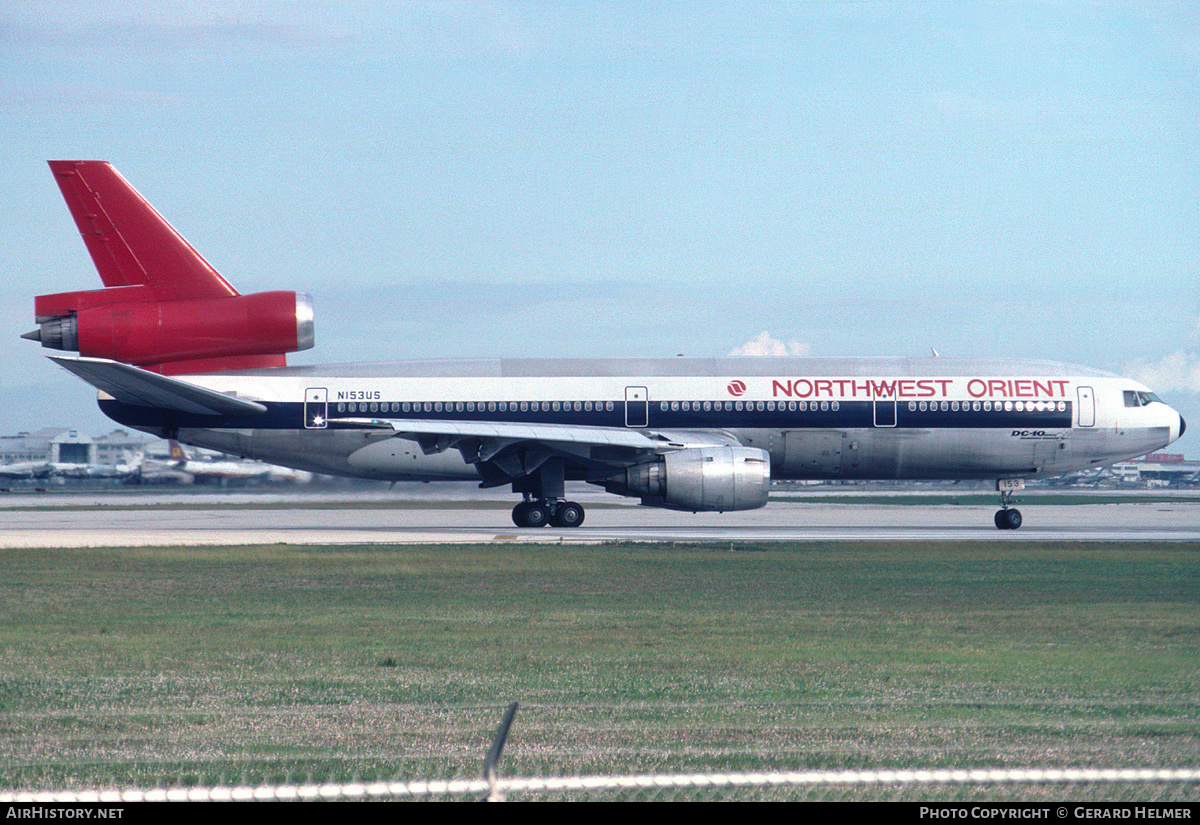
(736,387)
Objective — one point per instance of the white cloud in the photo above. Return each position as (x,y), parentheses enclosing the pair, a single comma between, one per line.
(764,344)
(1179,371)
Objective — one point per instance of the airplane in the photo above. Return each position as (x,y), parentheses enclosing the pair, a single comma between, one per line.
(57,469)
(27,469)
(96,470)
(120,470)
(176,351)
(181,467)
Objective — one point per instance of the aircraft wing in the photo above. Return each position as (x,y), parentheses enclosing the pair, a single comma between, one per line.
(451,432)
(143,388)
(444,434)
(507,450)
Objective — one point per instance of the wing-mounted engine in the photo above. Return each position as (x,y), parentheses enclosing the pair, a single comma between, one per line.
(700,478)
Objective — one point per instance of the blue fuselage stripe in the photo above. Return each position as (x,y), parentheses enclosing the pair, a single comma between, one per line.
(848,415)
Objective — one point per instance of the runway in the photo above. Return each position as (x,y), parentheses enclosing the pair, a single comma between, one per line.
(466,515)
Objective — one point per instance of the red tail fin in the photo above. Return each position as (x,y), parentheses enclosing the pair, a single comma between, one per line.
(164,307)
(129,241)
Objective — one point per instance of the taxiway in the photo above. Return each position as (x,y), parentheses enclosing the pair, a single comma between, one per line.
(113,520)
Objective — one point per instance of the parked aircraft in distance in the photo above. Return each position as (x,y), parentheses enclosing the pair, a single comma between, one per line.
(27,469)
(176,351)
(183,469)
(60,469)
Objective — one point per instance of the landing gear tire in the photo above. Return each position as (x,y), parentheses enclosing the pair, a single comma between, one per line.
(540,513)
(567,514)
(537,514)
(1009,519)
(531,514)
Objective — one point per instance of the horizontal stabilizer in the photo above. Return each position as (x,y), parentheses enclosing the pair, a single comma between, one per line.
(132,385)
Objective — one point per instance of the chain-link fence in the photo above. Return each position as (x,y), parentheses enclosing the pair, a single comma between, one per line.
(1019,784)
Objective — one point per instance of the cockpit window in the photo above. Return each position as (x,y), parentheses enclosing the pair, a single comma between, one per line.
(1134,398)
(1140,399)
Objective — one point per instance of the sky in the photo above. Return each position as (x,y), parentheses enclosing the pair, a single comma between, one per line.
(477,179)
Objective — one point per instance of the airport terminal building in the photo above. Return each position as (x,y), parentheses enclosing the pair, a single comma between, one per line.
(62,445)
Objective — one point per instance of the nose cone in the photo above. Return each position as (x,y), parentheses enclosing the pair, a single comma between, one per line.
(1178,427)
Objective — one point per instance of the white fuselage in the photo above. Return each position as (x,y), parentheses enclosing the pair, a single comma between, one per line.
(852,418)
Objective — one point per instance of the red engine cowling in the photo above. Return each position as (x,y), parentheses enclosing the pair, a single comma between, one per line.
(181,336)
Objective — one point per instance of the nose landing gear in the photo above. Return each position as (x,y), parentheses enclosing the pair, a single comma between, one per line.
(1008,517)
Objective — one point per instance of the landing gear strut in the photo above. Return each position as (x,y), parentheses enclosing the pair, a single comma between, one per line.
(540,512)
(1008,517)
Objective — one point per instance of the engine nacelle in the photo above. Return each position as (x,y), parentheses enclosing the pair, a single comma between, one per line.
(172,337)
(699,478)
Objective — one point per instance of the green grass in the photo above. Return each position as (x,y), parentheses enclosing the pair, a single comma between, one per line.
(166,665)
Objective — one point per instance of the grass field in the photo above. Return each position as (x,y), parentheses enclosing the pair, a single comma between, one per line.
(288,663)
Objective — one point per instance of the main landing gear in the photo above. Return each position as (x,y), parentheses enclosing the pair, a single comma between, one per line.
(540,512)
(543,490)
(1008,517)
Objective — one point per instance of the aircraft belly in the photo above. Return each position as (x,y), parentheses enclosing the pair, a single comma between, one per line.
(861,454)
(329,452)
(904,453)
(811,454)
(399,458)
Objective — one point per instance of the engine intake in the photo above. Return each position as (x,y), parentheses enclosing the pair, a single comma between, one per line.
(700,478)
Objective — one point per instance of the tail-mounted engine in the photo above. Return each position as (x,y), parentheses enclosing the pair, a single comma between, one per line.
(164,307)
(699,478)
(173,337)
